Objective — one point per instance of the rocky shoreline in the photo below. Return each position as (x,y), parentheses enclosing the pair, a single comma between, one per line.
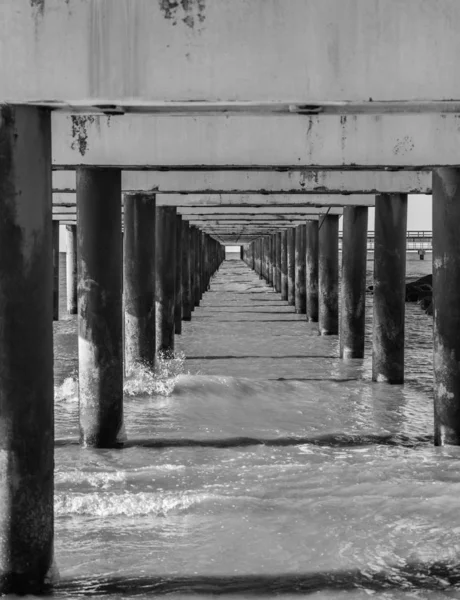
(420,291)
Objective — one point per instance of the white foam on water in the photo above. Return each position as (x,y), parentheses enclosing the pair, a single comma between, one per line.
(68,390)
(107,504)
(102,479)
(142,381)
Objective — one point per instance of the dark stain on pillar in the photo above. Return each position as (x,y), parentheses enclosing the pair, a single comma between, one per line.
(188,11)
(38,6)
(80,132)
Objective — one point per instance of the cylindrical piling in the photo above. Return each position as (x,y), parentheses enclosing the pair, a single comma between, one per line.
(446,300)
(311,271)
(389,288)
(55,230)
(178,286)
(186,275)
(26,350)
(278,263)
(291,265)
(300,252)
(353,293)
(284,266)
(71,269)
(139,280)
(100,351)
(328,275)
(165,281)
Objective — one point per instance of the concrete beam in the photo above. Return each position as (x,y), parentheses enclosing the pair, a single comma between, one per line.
(289,181)
(248,201)
(371,142)
(143,55)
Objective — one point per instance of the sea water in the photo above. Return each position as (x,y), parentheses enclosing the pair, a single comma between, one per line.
(259,464)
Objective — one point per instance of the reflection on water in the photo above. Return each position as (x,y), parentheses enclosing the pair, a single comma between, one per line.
(258,463)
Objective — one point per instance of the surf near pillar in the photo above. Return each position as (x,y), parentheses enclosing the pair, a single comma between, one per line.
(328,275)
(389,288)
(353,296)
(284,266)
(186,275)
(139,280)
(71,268)
(311,270)
(300,251)
(446,299)
(55,235)
(278,263)
(165,282)
(26,350)
(100,339)
(178,286)
(291,265)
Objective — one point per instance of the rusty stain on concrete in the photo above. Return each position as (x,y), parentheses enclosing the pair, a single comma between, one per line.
(80,132)
(189,12)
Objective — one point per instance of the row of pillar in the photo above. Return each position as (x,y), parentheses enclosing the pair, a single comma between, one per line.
(302,264)
(26,312)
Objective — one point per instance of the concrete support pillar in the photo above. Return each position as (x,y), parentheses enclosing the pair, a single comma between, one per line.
(353,293)
(203,264)
(446,298)
(26,350)
(328,279)
(278,263)
(270,261)
(291,265)
(389,288)
(139,280)
(186,275)
(311,270)
(71,269)
(197,266)
(192,267)
(55,235)
(178,287)
(266,242)
(241,252)
(284,266)
(300,255)
(100,337)
(273,245)
(165,282)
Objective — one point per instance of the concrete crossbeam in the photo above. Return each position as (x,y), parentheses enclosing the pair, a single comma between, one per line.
(375,142)
(247,201)
(289,181)
(141,55)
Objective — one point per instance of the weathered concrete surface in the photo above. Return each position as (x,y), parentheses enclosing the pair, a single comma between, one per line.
(291,235)
(328,275)
(353,288)
(71,268)
(284,266)
(178,287)
(186,272)
(287,181)
(55,236)
(300,256)
(311,270)
(165,278)
(26,351)
(446,297)
(100,339)
(146,54)
(329,141)
(389,288)
(139,280)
